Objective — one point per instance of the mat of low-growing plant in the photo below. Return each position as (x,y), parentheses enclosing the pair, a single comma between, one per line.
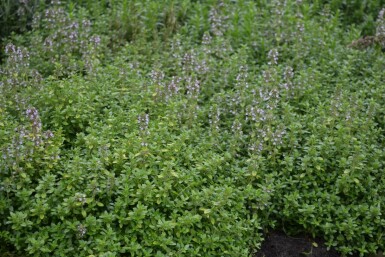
(190,128)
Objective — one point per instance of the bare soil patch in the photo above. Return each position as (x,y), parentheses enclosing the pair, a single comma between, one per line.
(277,244)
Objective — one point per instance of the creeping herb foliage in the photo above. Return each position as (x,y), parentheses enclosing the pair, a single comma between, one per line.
(190,128)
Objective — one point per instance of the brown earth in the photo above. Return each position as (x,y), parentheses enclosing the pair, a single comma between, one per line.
(277,244)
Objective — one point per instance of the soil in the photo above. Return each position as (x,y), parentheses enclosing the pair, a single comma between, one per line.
(277,244)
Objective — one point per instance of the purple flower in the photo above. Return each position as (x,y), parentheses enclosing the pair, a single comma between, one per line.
(206,39)
(217,20)
(193,87)
(33,116)
(95,40)
(288,73)
(236,128)
(82,230)
(48,134)
(143,121)
(214,117)
(273,57)
(380,30)
(173,87)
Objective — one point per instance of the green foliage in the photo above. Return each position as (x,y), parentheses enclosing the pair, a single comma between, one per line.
(16,16)
(358,12)
(192,131)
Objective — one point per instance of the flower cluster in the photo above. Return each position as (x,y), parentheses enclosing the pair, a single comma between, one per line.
(192,87)
(80,198)
(16,75)
(214,118)
(269,96)
(336,104)
(234,102)
(288,76)
(255,114)
(165,90)
(236,128)
(256,147)
(241,79)
(176,49)
(82,230)
(188,61)
(206,42)
(300,29)
(288,73)
(143,122)
(66,36)
(33,116)
(55,15)
(18,147)
(277,136)
(157,78)
(27,140)
(273,57)
(380,30)
(23,8)
(173,87)
(217,20)
(270,77)
(18,58)
(191,64)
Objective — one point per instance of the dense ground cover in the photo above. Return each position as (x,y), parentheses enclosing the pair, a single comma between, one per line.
(190,128)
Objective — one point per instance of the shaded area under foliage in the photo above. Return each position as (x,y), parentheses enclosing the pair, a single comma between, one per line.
(277,244)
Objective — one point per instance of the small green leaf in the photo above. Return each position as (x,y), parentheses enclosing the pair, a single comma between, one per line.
(205,211)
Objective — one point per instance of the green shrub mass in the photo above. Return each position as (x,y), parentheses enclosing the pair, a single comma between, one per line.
(190,128)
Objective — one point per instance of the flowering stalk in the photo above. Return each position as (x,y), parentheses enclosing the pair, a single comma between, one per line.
(143,121)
